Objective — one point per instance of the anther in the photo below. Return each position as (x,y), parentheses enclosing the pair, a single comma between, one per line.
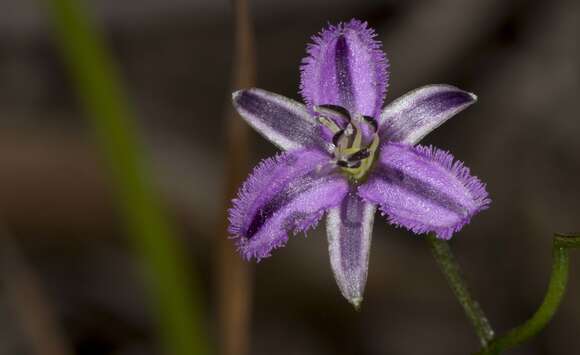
(336,137)
(360,155)
(347,164)
(371,121)
(333,109)
(354,165)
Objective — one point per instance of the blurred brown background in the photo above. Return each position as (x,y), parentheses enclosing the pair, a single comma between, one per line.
(520,57)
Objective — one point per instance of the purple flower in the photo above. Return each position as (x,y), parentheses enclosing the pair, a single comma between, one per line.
(345,156)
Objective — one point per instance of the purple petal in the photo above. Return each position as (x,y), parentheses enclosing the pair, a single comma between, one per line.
(283,121)
(345,66)
(287,192)
(424,190)
(415,114)
(349,228)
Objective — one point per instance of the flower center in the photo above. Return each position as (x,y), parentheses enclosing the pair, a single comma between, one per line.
(355,139)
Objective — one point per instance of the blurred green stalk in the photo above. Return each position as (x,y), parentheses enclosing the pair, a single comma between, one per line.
(556,289)
(450,268)
(174,292)
(552,300)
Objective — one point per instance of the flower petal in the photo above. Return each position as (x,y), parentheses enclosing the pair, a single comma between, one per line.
(415,114)
(349,228)
(283,121)
(424,190)
(345,66)
(288,192)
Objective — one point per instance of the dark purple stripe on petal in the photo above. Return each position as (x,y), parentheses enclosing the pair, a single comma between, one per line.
(283,121)
(424,190)
(419,187)
(343,74)
(345,66)
(288,193)
(349,228)
(415,114)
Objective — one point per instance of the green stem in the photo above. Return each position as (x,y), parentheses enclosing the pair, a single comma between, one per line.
(178,311)
(448,265)
(552,300)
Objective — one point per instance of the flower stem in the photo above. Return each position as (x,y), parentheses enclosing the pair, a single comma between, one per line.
(448,265)
(173,289)
(552,300)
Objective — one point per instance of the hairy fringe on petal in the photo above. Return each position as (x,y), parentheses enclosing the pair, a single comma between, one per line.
(242,201)
(307,223)
(475,187)
(419,228)
(253,186)
(367,36)
(264,252)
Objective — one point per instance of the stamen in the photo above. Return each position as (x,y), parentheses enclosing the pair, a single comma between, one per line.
(348,165)
(349,130)
(371,121)
(353,153)
(360,155)
(328,123)
(333,110)
(354,165)
(356,143)
(336,137)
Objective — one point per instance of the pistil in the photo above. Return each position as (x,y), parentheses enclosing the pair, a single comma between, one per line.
(351,155)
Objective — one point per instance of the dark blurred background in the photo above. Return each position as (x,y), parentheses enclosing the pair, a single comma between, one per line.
(62,231)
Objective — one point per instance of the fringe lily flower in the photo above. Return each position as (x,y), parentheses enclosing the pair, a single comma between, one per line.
(346,156)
